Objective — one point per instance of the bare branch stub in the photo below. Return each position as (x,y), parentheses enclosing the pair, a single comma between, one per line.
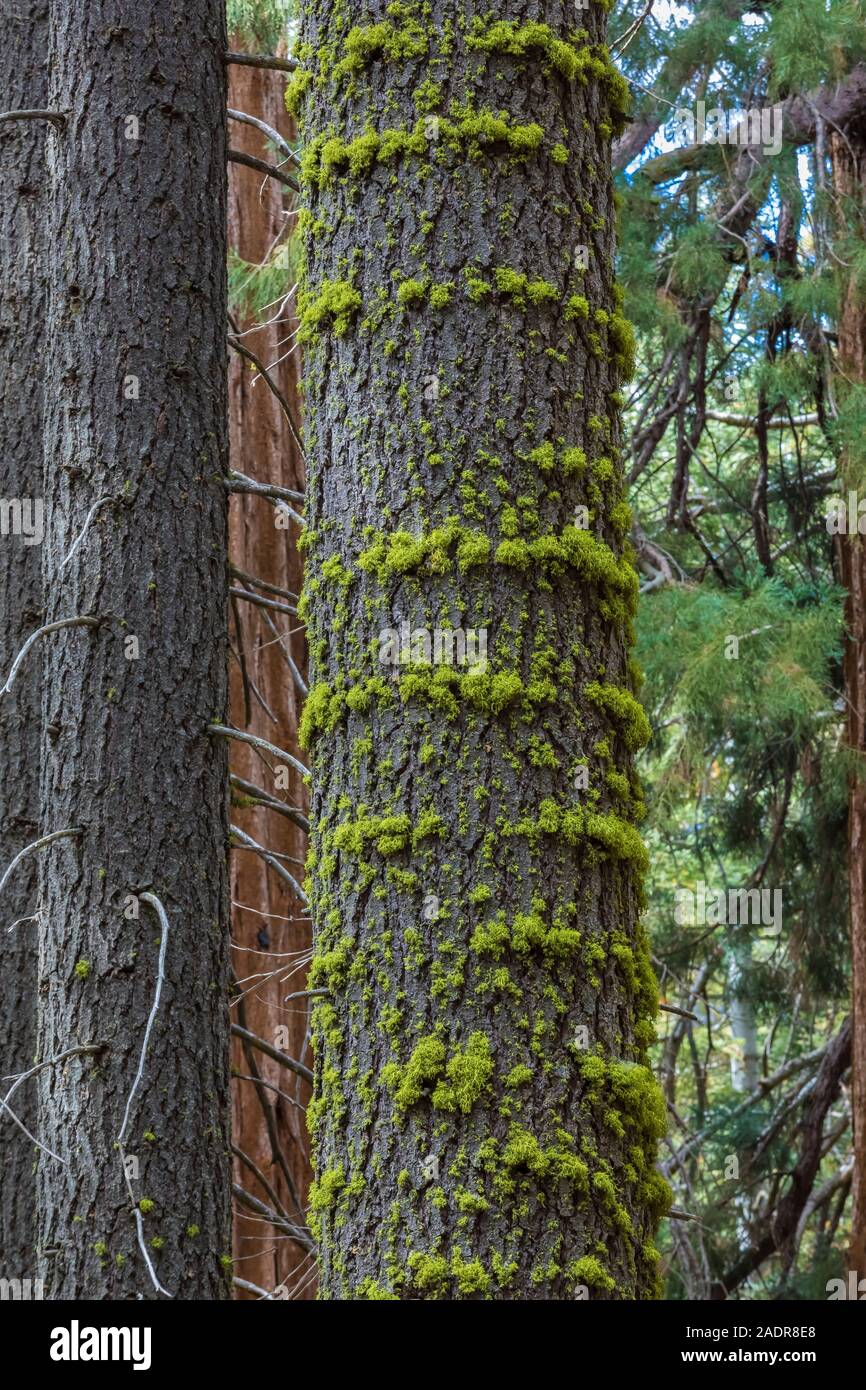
(55,117)
(262,60)
(262,167)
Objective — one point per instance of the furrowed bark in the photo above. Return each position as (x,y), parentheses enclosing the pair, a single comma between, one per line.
(484,1118)
(261,445)
(22,312)
(135,411)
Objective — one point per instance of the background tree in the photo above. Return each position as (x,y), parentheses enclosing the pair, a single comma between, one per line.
(270,928)
(23,81)
(133,906)
(484,1119)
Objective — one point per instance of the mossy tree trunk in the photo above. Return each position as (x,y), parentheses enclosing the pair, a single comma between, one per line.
(848,151)
(485,1121)
(23,83)
(135,422)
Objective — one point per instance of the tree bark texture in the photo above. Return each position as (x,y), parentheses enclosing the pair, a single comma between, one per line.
(267,1119)
(135,425)
(23,82)
(485,1120)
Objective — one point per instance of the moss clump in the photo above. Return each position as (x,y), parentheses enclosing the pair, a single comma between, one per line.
(296,89)
(555,1163)
(326,705)
(333,305)
(604,1185)
(640,1098)
(82,969)
(439,1277)
(573,460)
(332,571)
(477,287)
(430,1273)
(622,706)
(577,307)
(458,1081)
(527,932)
(470,1203)
(467,1076)
(520,288)
(477,129)
(434,687)
(622,337)
(470,1275)
(412,292)
(387,834)
(425,1066)
(326,1188)
(592,1273)
(385,41)
(543,457)
(319,713)
(401,552)
(640,1115)
(440,295)
(466,132)
(491,692)
(428,823)
(576,825)
(472,549)
(372,1291)
(530,39)
(332,967)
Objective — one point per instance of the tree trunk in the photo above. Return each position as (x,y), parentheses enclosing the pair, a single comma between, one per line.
(261,445)
(848,153)
(135,426)
(485,1120)
(22,313)
(746,1056)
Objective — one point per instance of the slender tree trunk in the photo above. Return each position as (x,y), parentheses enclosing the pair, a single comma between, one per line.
(484,1118)
(849,171)
(746,1058)
(23,82)
(268,1120)
(135,425)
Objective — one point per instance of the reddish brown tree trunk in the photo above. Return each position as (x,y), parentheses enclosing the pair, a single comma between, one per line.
(268,925)
(849,166)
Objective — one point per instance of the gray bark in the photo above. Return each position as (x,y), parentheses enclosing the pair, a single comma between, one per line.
(23,83)
(137,303)
(484,1118)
